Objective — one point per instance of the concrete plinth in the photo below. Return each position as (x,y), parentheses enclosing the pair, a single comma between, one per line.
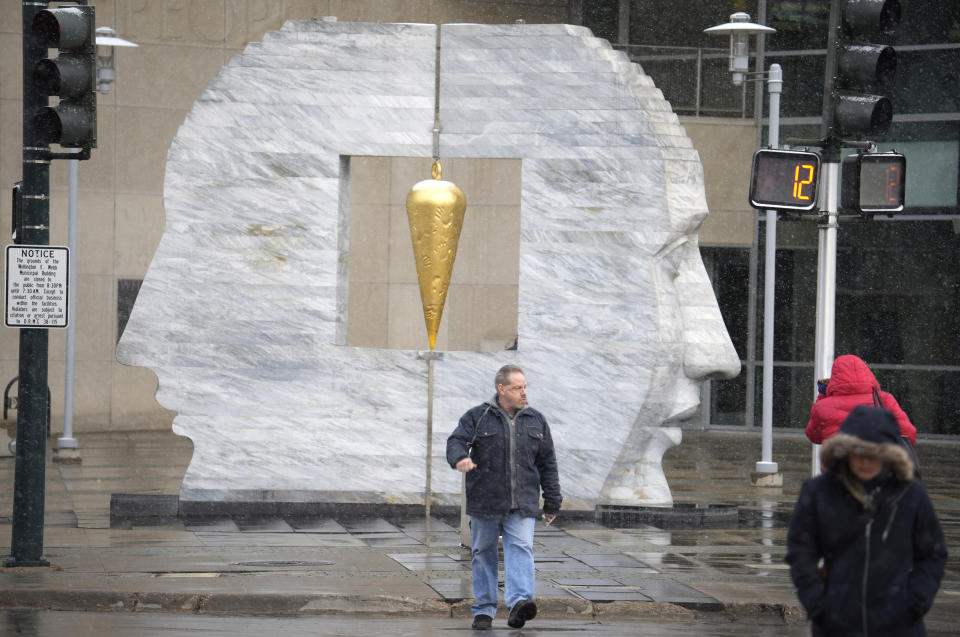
(758,479)
(679,516)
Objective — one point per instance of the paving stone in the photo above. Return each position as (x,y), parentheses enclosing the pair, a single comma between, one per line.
(666,590)
(452,589)
(263,525)
(610,595)
(613,560)
(387,539)
(221,525)
(316,525)
(375,525)
(429,562)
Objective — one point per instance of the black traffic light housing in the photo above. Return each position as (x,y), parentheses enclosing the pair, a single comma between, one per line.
(16,213)
(71,76)
(860,65)
(785,180)
(873,182)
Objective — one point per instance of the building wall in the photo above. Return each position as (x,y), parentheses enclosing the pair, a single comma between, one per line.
(726,150)
(121,217)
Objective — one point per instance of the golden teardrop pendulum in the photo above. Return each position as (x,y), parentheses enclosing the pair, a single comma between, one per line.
(435,210)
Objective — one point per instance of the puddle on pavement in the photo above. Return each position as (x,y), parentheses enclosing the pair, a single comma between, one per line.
(700,538)
(760,564)
(663,561)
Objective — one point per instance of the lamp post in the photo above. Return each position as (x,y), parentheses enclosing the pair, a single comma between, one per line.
(766,464)
(106,40)
(740,29)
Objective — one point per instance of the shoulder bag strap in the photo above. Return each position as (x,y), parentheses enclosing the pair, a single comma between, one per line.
(476,428)
(904,440)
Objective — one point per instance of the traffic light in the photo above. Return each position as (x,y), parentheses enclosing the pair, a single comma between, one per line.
(785,180)
(873,182)
(861,66)
(72,76)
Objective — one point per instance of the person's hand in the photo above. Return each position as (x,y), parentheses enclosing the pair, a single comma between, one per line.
(548,518)
(466,464)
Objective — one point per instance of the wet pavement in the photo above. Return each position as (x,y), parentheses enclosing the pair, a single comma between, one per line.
(321,566)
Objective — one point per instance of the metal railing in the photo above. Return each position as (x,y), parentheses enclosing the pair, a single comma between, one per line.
(696,81)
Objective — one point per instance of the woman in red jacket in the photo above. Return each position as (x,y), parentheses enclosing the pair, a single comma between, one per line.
(851,384)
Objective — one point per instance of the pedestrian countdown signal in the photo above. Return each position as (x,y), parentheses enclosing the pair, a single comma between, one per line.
(873,182)
(785,180)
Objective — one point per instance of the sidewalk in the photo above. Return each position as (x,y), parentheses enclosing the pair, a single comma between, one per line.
(331,565)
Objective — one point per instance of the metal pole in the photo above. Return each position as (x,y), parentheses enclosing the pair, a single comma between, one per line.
(430,357)
(466,540)
(623,22)
(751,376)
(68,441)
(743,100)
(827,233)
(775,88)
(26,544)
(766,464)
(699,81)
(426,508)
(826,285)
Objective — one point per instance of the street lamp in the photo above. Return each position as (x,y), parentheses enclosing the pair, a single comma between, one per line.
(106,40)
(740,29)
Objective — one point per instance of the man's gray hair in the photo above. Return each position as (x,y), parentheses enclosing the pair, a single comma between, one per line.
(503,376)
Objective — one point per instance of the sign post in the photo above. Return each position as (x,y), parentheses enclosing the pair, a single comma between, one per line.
(33,228)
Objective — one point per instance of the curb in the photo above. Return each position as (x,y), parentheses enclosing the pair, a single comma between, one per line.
(789,613)
(285,604)
(219,603)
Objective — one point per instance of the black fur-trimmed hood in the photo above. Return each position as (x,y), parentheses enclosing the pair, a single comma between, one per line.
(869,431)
(841,445)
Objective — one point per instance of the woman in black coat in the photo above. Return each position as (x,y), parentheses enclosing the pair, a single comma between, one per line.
(865,547)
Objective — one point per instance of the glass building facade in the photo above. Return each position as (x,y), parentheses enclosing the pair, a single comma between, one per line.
(898,278)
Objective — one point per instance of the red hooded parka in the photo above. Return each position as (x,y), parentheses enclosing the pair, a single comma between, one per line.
(851,384)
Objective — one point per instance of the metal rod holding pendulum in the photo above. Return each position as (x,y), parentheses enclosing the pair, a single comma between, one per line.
(428,495)
(436,99)
(430,357)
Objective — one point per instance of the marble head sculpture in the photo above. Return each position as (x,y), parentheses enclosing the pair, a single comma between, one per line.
(241,314)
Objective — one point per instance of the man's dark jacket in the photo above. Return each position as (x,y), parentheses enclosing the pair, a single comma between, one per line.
(882,570)
(483,434)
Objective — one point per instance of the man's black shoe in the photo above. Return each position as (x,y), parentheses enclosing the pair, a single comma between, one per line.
(522,612)
(482,622)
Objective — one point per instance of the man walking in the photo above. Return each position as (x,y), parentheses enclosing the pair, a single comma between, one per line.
(505,449)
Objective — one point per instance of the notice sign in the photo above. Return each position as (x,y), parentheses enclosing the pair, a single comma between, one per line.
(36,286)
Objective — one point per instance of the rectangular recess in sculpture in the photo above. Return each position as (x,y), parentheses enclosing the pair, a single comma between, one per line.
(383,298)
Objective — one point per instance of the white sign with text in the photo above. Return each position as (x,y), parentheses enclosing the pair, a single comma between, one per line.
(36,286)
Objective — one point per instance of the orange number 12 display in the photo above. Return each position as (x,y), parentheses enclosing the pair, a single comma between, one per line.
(803,175)
(784,180)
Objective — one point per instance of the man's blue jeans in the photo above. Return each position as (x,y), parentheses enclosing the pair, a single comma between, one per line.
(518,584)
